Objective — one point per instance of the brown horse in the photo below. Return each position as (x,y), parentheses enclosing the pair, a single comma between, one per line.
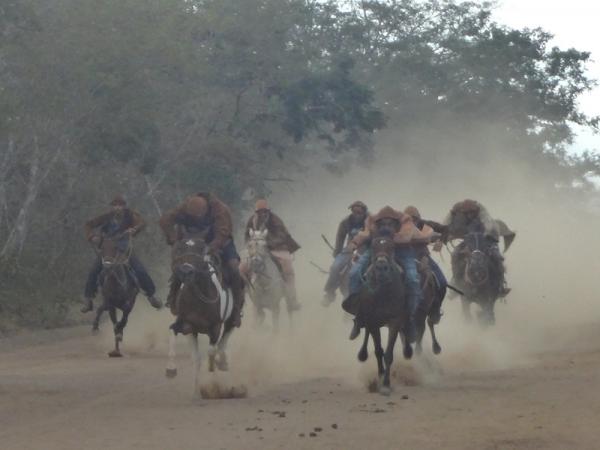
(382,302)
(429,287)
(118,287)
(202,305)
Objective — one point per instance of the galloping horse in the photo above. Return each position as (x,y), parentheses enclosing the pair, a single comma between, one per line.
(202,306)
(429,288)
(382,302)
(266,283)
(118,286)
(478,285)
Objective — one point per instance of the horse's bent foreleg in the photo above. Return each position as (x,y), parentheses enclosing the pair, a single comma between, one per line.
(171,370)
(435,346)
(363,353)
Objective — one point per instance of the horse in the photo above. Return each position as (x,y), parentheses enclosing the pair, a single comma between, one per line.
(118,287)
(202,305)
(266,283)
(382,302)
(429,288)
(477,280)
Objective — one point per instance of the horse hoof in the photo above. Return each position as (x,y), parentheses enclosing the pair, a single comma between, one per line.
(436,348)
(95,331)
(170,373)
(385,391)
(363,355)
(115,354)
(407,352)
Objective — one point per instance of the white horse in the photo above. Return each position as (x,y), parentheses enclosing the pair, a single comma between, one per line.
(266,285)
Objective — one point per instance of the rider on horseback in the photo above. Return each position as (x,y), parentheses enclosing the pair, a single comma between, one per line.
(201,213)
(281,245)
(390,223)
(470,216)
(122,223)
(349,227)
(422,251)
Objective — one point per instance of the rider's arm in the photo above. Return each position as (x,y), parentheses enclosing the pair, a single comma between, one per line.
(92,224)
(167,223)
(223,225)
(137,223)
(340,238)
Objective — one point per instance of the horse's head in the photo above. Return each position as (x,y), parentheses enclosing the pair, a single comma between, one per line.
(114,252)
(477,271)
(257,249)
(190,256)
(382,258)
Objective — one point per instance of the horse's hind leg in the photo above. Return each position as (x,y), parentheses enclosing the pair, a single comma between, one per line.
(195,356)
(171,370)
(389,359)
(363,353)
(435,346)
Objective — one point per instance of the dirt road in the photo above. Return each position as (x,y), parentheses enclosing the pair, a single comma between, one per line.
(488,390)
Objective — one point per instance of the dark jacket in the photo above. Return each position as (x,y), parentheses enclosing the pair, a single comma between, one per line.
(347,229)
(278,237)
(217,222)
(108,226)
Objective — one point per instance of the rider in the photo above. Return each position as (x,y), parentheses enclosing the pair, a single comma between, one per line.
(348,228)
(422,251)
(470,216)
(391,223)
(119,221)
(281,245)
(203,212)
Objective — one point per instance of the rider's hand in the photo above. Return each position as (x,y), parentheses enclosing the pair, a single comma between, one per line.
(95,239)
(437,247)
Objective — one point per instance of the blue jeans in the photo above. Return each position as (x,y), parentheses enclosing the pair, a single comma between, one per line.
(144,280)
(442,283)
(405,256)
(335,272)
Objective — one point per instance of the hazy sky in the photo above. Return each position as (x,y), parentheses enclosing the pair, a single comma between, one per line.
(574,23)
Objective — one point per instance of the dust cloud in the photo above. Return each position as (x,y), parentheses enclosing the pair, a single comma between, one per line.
(552,269)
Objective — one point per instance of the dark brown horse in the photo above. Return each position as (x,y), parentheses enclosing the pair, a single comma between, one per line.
(202,305)
(429,288)
(118,287)
(478,280)
(382,302)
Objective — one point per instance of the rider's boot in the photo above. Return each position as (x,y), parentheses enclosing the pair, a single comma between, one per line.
(290,296)
(154,302)
(88,304)
(328,298)
(237,292)
(356,326)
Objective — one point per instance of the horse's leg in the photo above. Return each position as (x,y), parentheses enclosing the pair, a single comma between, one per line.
(195,356)
(113,317)
(435,346)
(99,312)
(212,351)
(222,363)
(466,309)
(363,353)
(389,359)
(421,315)
(376,333)
(276,313)
(171,370)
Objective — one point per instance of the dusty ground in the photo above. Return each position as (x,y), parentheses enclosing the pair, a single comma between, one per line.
(488,390)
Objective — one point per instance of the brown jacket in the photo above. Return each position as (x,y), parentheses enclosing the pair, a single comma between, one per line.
(131,220)
(345,229)
(279,237)
(408,234)
(218,222)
